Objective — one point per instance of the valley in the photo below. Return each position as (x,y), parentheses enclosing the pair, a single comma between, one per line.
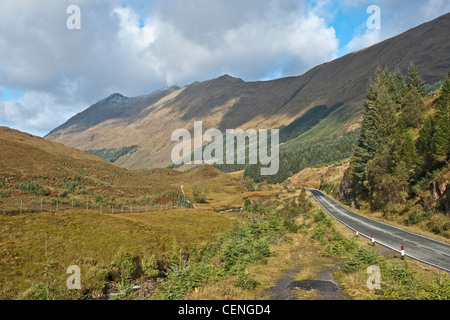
(368,133)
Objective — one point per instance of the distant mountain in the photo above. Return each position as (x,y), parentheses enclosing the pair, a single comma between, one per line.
(227,102)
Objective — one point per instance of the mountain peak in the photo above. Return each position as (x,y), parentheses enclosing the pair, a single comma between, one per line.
(116,98)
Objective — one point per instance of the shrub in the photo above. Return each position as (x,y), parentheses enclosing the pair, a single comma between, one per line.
(149,265)
(245,281)
(392,208)
(362,259)
(31,187)
(199,195)
(124,263)
(401,283)
(417,217)
(440,290)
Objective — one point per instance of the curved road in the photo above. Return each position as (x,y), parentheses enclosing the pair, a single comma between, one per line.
(426,250)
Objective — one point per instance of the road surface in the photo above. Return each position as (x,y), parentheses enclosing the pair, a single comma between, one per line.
(426,250)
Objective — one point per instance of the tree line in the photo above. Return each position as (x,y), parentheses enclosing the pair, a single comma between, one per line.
(403,143)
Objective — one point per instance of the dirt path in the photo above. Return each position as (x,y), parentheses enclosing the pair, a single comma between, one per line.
(324,284)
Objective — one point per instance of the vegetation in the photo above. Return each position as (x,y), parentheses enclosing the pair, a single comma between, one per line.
(304,123)
(403,145)
(113,154)
(298,155)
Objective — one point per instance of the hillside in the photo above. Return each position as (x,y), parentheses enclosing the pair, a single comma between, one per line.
(33,169)
(226,102)
(401,165)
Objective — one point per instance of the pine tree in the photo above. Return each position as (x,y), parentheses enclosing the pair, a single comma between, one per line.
(378,127)
(409,155)
(397,87)
(413,80)
(425,144)
(441,138)
(413,109)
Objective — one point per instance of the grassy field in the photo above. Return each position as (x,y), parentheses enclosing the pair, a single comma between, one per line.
(91,240)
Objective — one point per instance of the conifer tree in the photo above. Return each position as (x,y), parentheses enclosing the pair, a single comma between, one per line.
(441,138)
(409,155)
(413,80)
(378,126)
(425,143)
(413,109)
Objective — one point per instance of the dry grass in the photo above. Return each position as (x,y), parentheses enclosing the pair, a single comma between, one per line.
(88,239)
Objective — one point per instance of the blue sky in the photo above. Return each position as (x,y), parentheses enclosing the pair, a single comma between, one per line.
(49,73)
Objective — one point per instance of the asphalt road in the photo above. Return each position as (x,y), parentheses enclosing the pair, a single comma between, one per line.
(426,250)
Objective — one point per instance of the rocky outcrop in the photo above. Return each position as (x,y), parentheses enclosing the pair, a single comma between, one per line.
(346,190)
(437,197)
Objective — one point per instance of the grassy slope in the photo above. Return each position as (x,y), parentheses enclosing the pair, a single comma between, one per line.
(88,239)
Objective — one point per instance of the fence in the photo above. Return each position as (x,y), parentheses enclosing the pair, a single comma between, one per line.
(46,205)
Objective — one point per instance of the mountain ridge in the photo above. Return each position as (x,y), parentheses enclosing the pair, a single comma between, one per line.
(227,102)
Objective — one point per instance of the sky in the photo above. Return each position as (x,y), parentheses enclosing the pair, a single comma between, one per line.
(50,71)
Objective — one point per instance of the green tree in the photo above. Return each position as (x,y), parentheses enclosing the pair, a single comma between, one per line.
(441,138)
(409,154)
(425,144)
(378,127)
(413,80)
(413,109)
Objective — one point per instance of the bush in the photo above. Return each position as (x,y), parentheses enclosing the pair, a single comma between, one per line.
(417,217)
(440,289)
(401,283)
(392,208)
(149,265)
(362,259)
(245,281)
(199,196)
(31,187)
(125,265)
(95,279)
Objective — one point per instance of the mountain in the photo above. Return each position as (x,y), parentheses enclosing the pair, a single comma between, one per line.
(226,102)
(49,168)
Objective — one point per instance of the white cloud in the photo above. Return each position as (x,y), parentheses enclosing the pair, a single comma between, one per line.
(396,17)
(34,112)
(122,49)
